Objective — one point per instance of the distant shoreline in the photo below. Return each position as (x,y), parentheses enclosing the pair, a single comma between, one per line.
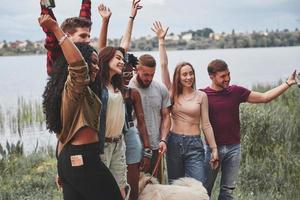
(8,54)
(189,40)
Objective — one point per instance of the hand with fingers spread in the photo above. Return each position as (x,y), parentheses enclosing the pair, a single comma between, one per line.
(159,30)
(135,7)
(104,11)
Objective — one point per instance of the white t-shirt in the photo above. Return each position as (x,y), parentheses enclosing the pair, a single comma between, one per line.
(154,98)
(115,115)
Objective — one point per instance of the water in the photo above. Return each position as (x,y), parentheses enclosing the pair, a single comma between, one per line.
(25,76)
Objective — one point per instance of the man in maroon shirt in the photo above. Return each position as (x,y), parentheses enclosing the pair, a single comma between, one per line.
(77,28)
(224,101)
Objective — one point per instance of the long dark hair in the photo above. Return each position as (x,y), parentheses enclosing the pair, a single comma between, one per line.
(53,91)
(177,86)
(105,55)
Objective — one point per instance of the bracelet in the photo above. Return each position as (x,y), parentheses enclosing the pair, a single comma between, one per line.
(147,152)
(288,84)
(164,141)
(131,17)
(62,39)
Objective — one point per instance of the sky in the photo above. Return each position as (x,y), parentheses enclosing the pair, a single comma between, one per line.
(18,18)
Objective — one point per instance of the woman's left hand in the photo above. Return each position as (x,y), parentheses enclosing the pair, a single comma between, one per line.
(214,160)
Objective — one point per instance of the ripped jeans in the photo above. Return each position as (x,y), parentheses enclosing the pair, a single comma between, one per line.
(229,156)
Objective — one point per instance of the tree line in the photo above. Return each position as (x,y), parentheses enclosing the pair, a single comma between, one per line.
(204,38)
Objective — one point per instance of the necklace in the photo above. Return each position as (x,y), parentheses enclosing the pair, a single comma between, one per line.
(190,98)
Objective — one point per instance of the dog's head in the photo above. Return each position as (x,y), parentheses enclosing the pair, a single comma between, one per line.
(146,179)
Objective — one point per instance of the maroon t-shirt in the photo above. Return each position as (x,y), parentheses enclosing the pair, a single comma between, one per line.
(224,112)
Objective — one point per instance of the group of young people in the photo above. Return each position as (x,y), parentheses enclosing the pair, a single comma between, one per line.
(92,99)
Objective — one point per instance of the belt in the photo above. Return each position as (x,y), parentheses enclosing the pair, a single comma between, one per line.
(130,124)
(113,140)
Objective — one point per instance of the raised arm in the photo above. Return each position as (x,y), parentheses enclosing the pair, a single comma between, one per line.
(125,42)
(258,97)
(85,10)
(161,33)
(51,43)
(105,13)
(70,51)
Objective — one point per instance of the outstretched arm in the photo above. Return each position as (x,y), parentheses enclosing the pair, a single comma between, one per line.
(161,34)
(105,13)
(258,97)
(51,44)
(125,42)
(70,51)
(85,10)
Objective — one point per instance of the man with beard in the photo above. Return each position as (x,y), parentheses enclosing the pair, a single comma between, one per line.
(155,102)
(224,101)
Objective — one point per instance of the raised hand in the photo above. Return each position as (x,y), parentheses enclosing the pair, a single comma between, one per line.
(104,11)
(46,21)
(292,78)
(159,30)
(135,7)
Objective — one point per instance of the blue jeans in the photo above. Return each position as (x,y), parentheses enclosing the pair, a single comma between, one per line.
(229,156)
(185,157)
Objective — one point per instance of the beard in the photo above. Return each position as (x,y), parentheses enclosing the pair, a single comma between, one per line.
(223,85)
(141,83)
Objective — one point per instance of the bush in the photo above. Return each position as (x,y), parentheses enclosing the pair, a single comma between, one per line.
(270,148)
(28,177)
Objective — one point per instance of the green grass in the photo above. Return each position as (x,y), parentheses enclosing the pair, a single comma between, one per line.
(28,177)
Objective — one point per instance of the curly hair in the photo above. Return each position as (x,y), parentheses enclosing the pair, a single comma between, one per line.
(105,55)
(53,91)
(131,62)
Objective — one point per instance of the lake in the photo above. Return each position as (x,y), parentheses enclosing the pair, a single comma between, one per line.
(25,76)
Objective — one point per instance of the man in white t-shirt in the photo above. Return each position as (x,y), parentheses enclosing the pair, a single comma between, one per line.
(155,102)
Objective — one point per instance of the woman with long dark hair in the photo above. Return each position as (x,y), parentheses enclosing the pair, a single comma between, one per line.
(72,110)
(189,111)
(111,63)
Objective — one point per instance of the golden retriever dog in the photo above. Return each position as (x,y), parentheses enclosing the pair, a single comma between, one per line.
(183,188)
